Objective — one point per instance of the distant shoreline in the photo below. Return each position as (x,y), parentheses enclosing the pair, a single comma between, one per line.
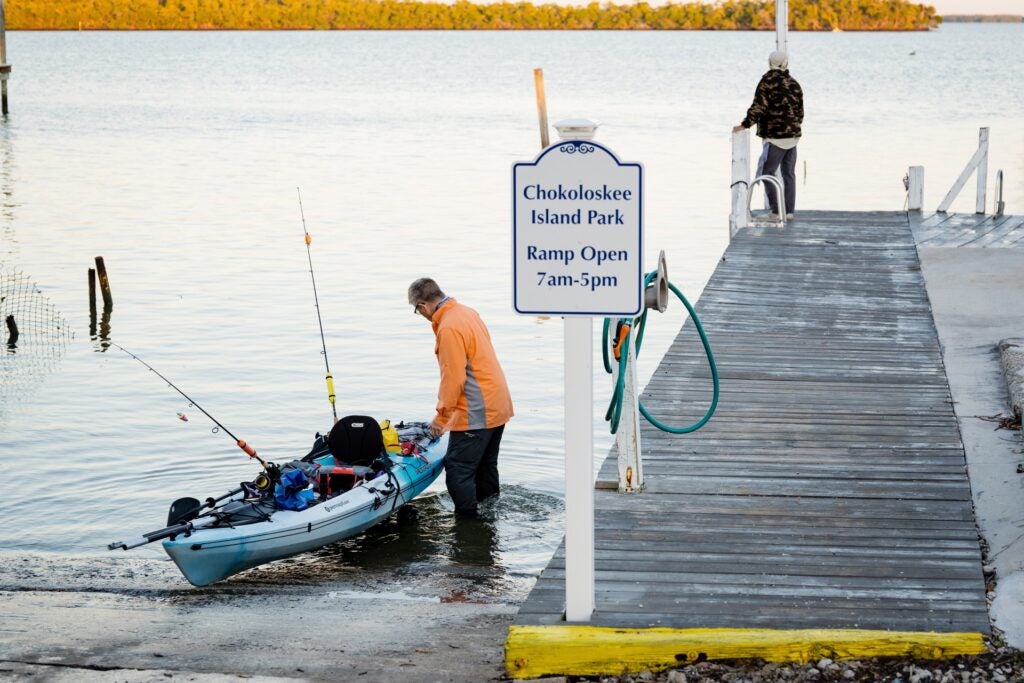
(983,18)
(291,29)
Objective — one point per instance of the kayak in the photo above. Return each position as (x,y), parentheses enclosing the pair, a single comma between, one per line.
(325,500)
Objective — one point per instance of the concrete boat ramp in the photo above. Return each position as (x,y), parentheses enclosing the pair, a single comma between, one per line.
(826,509)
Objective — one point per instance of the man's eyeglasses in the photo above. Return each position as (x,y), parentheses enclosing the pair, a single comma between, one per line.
(416,308)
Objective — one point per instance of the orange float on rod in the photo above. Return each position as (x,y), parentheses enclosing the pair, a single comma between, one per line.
(249,450)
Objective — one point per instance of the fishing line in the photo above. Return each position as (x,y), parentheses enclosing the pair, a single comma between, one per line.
(316,300)
(249,450)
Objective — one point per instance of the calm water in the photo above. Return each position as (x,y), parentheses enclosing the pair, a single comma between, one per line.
(176,157)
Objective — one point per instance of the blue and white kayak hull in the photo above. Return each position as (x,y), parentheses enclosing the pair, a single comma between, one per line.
(208,554)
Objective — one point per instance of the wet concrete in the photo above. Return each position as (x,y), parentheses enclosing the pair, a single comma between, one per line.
(427,601)
(976,302)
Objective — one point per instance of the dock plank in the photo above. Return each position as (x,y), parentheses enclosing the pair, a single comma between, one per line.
(830,489)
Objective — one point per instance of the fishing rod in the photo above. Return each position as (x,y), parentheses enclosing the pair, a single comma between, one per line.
(249,450)
(316,300)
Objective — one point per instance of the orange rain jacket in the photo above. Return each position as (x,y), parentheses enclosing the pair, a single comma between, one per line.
(473,393)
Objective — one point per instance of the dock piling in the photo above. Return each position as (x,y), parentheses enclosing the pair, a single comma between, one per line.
(92,302)
(5,68)
(915,188)
(782,26)
(101,270)
(12,332)
(542,107)
(740,217)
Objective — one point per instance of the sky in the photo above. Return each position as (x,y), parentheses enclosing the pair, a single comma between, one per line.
(976,6)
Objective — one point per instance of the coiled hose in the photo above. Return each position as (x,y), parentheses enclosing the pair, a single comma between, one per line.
(614,411)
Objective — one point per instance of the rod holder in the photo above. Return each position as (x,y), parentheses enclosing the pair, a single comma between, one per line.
(656,293)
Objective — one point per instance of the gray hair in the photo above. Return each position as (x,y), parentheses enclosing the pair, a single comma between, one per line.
(424,289)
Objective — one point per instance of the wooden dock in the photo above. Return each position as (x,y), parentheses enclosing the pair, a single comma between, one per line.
(968,230)
(828,492)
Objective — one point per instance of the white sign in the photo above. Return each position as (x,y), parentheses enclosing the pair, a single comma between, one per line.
(577,232)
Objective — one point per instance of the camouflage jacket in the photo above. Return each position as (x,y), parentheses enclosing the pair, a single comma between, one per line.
(778,107)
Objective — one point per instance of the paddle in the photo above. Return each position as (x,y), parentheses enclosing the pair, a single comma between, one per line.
(183,510)
(187,509)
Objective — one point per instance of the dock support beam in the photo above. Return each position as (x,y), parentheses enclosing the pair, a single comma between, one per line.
(978,161)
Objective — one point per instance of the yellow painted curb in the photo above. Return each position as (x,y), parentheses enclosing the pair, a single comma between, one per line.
(536,651)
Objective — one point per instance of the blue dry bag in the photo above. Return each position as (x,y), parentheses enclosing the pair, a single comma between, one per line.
(288,492)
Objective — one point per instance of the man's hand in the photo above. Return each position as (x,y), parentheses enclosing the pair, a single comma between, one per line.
(435,430)
(737,129)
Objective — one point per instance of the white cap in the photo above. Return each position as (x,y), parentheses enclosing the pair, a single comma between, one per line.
(576,129)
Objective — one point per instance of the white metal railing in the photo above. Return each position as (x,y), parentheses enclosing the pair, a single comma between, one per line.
(742,186)
(978,162)
(780,203)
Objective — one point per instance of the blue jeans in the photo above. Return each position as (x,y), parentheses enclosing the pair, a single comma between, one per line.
(471,467)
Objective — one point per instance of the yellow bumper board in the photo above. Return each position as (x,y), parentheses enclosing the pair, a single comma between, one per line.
(536,651)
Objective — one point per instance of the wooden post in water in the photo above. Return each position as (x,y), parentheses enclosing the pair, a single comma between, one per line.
(5,68)
(12,332)
(101,270)
(542,107)
(92,302)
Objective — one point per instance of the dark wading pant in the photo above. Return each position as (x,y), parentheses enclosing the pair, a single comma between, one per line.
(787,159)
(471,467)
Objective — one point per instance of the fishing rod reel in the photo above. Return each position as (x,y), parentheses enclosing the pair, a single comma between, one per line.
(266,480)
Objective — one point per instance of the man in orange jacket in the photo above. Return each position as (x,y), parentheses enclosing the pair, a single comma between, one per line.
(473,402)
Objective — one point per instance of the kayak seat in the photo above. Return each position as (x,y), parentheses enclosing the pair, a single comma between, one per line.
(356,439)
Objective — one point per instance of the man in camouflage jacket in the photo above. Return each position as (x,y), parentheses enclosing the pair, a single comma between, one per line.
(778,111)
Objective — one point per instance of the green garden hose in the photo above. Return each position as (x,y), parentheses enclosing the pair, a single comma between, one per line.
(614,411)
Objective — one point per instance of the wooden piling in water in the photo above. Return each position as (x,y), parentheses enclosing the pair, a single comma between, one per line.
(12,330)
(5,68)
(101,270)
(92,302)
(542,107)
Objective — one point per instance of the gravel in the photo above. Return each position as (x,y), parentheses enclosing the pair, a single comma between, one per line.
(1001,665)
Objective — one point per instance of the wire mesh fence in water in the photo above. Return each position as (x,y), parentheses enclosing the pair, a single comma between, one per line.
(33,337)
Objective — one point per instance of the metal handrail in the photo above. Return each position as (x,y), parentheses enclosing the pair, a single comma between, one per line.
(778,187)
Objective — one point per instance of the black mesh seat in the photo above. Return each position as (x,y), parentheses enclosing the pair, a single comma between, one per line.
(356,440)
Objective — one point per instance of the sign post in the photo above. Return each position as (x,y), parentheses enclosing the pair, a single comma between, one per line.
(577,252)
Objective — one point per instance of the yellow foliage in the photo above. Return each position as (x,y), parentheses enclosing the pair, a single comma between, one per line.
(810,15)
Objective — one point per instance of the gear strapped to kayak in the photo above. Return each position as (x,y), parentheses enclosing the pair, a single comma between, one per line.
(314,500)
